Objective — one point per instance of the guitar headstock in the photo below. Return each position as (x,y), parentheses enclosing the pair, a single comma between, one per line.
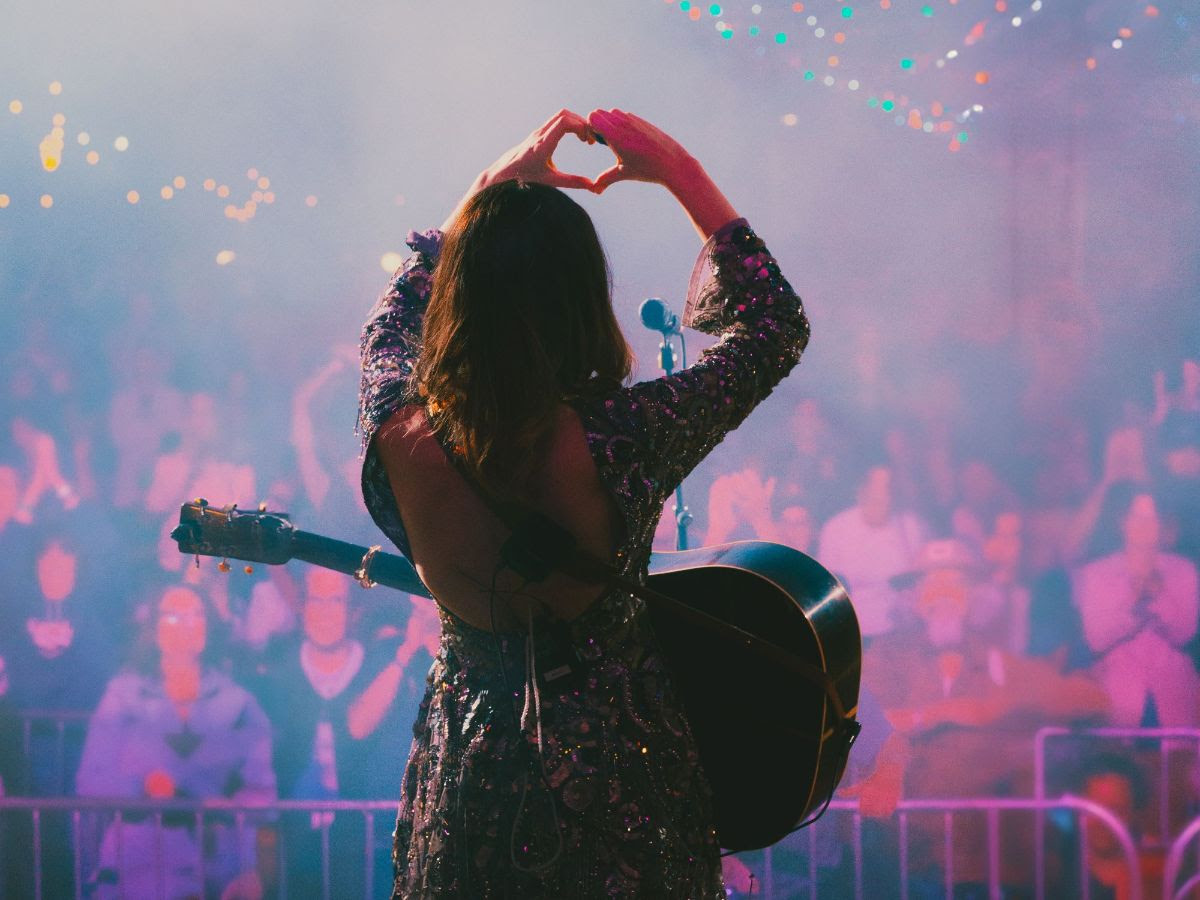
(261,537)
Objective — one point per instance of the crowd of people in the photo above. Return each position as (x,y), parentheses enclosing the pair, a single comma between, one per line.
(993,599)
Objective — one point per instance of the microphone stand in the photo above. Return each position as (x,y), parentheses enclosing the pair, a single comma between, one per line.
(666,361)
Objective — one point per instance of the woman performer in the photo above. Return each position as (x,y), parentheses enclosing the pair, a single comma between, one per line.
(493,369)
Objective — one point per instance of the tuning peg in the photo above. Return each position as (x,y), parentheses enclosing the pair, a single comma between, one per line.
(223,566)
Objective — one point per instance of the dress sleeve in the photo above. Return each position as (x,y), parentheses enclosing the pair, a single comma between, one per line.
(647,437)
(390,345)
(391,337)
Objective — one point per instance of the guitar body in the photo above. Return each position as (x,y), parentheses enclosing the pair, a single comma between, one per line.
(761,640)
(771,745)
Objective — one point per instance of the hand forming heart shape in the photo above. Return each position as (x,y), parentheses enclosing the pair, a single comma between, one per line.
(532,159)
(643,152)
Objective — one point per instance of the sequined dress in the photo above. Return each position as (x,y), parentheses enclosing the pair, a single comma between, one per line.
(614,804)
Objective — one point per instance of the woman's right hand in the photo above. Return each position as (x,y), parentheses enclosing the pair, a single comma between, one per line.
(644,152)
(647,153)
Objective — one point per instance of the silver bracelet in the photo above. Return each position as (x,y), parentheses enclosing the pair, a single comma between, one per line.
(363,573)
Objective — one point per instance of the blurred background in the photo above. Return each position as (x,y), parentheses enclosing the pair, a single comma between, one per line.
(990,210)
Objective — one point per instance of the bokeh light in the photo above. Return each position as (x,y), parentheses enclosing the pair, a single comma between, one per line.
(15,107)
(4,201)
(391,261)
(47,201)
(56,88)
(92,157)
(133,197)
(225,257)
(121,144)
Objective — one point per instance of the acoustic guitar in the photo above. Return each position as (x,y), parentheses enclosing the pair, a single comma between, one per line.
(762,640)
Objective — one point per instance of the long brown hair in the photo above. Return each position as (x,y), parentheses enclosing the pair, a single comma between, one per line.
(520,319)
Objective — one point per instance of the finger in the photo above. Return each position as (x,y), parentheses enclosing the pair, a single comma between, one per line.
(566,122)
(608,177)
(567,180)
(550,123)
(603,123)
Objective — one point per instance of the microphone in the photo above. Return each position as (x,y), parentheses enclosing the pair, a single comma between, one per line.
(657,316)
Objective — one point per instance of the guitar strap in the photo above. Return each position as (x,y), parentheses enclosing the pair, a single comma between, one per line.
(538,546)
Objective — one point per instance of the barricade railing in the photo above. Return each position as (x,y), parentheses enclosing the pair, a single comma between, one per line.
(120,811)
(252,815)
(991,807)
(1189,838)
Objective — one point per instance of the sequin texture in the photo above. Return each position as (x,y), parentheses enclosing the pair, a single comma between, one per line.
(615,803)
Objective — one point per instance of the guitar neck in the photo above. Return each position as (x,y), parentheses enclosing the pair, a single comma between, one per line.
(386,568)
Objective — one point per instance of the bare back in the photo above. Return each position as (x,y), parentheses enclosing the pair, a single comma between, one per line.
(456,540)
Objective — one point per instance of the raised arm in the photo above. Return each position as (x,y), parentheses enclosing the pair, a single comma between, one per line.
(650,435)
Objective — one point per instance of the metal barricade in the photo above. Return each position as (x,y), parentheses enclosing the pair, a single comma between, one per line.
(201,813)
(246,815)
(991,807)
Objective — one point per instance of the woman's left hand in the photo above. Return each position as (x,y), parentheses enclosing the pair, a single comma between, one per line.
(533,159)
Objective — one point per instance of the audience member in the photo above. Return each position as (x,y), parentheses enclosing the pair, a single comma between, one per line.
(326,697)
(1139,607)
(867,545)
(171,726)
(45,476)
